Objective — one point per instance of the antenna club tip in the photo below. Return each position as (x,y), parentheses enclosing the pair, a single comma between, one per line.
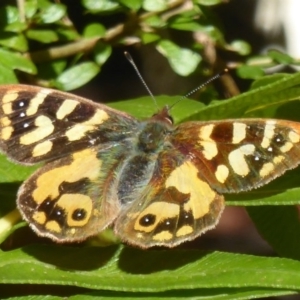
(127,55)
(225,71)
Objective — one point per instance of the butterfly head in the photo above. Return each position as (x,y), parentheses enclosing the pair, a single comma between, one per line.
(163,116)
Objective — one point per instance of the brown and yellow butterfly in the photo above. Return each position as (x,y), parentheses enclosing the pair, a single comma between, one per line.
(155,183)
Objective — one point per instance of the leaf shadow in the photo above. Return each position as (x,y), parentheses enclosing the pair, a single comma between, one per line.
(129,260)
(138,261)
(71,257)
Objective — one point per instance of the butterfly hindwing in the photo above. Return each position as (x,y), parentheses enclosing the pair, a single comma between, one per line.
(176,205)
(75,197)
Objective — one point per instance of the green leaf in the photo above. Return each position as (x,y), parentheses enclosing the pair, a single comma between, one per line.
(250,72)
(183,61)
(241,47)
(155,21)
(262,61)
(31,7)
(10,223)
(102,52)
(269,195)
(199,294)
(209,2)
(39,297)
(132,4)
(114,269)
(45,36)
(11,172)
(280,226)
(77,76)
(155,5)
(52,13)
(51,69)
(248,104)
(100,6)
(280,57)
(10,13)
(13,41)
(67,34)
(186,24)
(16,27)
(144,107)
(16,61)
(270,79)
(7,75)
(148,37)
(94,30)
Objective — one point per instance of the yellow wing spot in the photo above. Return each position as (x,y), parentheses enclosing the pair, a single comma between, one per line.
(39,217)
(53,226)
(239,132)
(44,128)
(266,169)
(268,133)
(294,137)
(72,202)
(6,133)
(237,159)
(161,210)
(7,108)
(210,149)
(278,159)
(286,147)
(5,121)
(66,108)
(184,230)
(7,100)
(85,164)
(78,131)
(163,236)
(42,148)
(37,101)
(6,130)
(10,97)
(222,173)
(185,179)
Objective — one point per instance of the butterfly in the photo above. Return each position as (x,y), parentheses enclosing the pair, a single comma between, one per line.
(157,184)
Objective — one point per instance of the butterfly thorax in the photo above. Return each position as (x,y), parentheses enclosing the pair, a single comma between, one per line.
(155,131)
(153,136)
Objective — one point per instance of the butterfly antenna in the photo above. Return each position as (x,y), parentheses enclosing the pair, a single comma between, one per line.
(201,86)
(130,59)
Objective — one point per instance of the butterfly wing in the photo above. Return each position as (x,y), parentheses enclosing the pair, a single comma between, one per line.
(43,124)
(240,155)
(175,206)
(73,195)
(202,159)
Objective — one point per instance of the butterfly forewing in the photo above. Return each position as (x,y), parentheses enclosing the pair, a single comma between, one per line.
(42,124)
(239,155)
